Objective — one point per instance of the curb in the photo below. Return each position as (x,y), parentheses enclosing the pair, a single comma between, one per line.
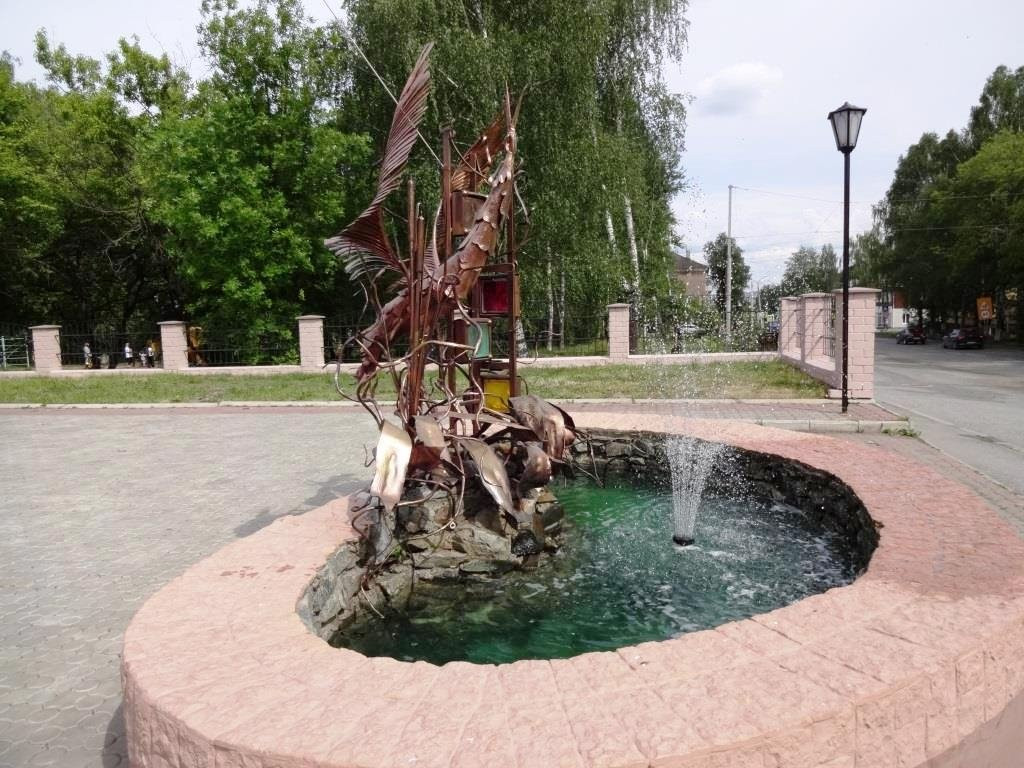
(821,426)
(825,427)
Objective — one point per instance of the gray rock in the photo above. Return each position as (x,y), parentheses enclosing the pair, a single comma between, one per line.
(617,450)
(480,543)
(440,558)
(551,513)
(485,567)
(437,574)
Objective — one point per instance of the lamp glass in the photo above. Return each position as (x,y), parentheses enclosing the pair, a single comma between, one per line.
(854,118)
(846,126)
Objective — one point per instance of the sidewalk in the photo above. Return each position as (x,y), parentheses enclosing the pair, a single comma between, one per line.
(800,415)
(809,415)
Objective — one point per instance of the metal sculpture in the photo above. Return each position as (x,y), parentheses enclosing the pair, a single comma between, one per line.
(445,435)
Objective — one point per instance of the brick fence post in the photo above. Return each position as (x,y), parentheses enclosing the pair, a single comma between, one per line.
(816,321)
(861,379)
(788,319)
(46,348)
(173,345)
(311,342)
(618,331)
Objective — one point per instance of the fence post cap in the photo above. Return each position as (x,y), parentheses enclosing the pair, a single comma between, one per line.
(814,295)
(789,298)
(310,317)
(172,322)
(857,289)
(616,306)
(43,327)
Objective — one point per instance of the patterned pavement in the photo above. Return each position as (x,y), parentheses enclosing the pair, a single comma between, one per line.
(100,508)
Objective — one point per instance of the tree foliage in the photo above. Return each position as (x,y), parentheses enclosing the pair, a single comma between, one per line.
(597,127)
(80,244)
(131,194)
(811,270)
(949,227)
(254,172)
(716,254)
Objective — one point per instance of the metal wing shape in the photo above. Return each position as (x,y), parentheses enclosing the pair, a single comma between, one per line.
(363,244)
(475,166)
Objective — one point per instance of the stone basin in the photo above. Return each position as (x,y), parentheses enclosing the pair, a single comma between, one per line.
(917,663)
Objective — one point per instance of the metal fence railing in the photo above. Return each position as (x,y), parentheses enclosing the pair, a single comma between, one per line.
(99,346)
(829,341)
(15,347)
(240,346)
(752,331)
(587,336)
(338,333)
(583,336)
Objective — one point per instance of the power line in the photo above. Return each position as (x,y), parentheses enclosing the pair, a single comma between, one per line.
(921,198)
(352,39)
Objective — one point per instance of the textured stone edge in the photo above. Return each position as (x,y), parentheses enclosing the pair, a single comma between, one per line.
(896,669)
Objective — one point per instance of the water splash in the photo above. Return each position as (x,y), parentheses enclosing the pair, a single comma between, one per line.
(691,461)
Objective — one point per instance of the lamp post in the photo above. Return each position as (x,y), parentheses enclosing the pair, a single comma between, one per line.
(846,127)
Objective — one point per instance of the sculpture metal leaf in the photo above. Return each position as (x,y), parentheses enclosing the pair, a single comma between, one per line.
(394,448)
(492,472)
(547,421)
(363,244)
(475,165)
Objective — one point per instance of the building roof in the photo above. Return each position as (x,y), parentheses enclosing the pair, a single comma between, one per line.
(686,264)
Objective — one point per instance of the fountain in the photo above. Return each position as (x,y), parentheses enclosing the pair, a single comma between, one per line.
(227,665)
(691,462)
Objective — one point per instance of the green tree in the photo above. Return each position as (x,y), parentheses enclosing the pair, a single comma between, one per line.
(87,251)
(599,133)
(984,206)
(1000,107)
(769,297)
(810,270)
(30,216)
(867,255)
(254,172)
(716,255)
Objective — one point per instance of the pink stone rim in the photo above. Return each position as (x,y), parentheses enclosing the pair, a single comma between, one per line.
(895,669)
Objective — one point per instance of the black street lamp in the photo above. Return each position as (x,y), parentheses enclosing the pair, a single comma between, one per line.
(846,127)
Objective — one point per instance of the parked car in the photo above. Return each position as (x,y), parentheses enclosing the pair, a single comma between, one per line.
(959,338)
(769,337)
(911,335)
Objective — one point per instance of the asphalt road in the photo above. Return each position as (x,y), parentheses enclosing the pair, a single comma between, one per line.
(968,403)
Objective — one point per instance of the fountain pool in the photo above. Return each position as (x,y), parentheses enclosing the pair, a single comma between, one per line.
(617,581)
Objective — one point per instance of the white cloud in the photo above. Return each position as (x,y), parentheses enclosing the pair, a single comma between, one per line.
(737,88)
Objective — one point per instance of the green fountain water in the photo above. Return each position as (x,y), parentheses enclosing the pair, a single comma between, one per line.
(617,581)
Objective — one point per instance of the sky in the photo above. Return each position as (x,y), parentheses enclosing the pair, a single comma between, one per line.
(762,77)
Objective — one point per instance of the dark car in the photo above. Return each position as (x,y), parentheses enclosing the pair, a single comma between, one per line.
(959,338)
(911,335)
(769,337)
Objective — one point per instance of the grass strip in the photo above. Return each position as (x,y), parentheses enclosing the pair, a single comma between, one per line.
(746,380)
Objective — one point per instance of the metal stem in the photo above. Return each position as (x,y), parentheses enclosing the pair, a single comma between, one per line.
(846,281)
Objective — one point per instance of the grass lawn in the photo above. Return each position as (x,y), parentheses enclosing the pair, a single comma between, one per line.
(718,380)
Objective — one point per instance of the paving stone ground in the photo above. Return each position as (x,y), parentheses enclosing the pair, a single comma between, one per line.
(97,512)
(99,509)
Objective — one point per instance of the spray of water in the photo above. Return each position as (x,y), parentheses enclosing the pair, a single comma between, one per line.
(691,461)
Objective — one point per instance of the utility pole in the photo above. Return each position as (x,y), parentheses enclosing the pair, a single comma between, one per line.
(728,274)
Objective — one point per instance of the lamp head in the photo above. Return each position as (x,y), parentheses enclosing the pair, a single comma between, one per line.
(846,122)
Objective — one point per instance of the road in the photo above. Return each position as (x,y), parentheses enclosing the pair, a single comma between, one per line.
(968,403)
